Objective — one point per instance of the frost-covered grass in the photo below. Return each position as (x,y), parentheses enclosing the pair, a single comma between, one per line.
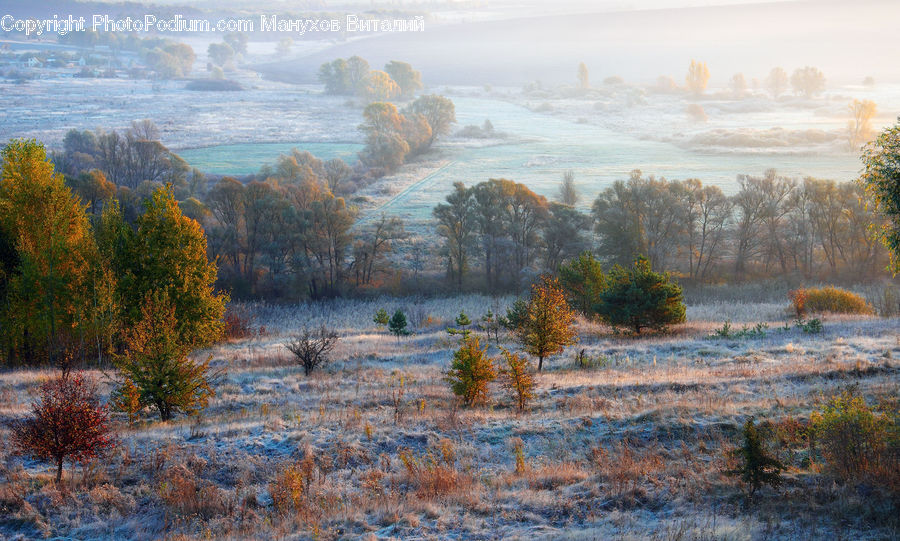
(631,447)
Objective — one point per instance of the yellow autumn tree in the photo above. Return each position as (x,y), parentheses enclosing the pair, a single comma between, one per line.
(697,77)
(859,128)
(546,328)
(167,254)
(50,268)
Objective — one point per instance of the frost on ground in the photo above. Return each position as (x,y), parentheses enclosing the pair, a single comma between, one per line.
(264,112)
(631,447)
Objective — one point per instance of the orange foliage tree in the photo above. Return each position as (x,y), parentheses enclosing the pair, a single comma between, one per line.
(546,328)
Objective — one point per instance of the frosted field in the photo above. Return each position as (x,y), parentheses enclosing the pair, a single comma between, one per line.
(265,112)
(602,136)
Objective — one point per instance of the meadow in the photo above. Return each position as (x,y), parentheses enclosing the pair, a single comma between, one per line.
(626,438)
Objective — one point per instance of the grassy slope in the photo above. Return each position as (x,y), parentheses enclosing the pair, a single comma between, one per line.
(633,448)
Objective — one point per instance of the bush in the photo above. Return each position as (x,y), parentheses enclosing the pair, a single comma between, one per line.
(856,441)
(518,379)
(312,347)
(756,467)
(471,372)
(640,298)
(381,317)
(238,322)
(827,299)
(67,423)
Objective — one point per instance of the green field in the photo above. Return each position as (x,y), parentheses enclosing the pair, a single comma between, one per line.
(246,159)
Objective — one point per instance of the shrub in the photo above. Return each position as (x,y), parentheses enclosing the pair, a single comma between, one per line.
(517,378)
(381,317)
(813,326)
(311,347)
(397,324)
(67,423)
(640,298)
(470,372)
(856,441)
(238,322)
(757,467)
(827,299)
(435,473)
(186,495)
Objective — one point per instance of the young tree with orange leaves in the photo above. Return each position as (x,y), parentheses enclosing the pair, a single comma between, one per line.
(546,328)
(67,423)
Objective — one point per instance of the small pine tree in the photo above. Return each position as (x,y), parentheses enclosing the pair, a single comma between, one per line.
(517,377)
(471,372)
(640,298)
(757,468)
(381,317)
(515,315)
(397,324)
(462,320)
(68,423)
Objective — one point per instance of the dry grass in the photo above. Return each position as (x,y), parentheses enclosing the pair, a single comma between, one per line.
(631,447)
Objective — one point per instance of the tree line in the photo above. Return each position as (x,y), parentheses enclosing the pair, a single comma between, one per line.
(773,225)
(73,288)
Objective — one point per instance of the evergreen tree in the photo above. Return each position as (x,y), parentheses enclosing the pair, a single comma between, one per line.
(156,361)
(757,468)
(381,317)
(640,298)
(470,372)
(397,324)
(583,281)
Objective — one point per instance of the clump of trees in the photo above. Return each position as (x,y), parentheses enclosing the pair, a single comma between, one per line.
(392,137)
(72,289)
(352,76)
(128,159)
(808,81)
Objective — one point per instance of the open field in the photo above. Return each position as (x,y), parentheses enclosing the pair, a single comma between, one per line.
(632,447)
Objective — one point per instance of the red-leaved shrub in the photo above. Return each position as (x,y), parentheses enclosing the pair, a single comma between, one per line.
(67,423)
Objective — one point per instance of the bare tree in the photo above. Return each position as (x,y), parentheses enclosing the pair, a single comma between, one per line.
(311,347)
(568,195)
